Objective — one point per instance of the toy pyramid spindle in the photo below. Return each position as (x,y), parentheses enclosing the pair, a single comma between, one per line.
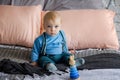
(74,74)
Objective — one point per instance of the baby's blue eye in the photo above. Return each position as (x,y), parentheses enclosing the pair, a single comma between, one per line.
(56,26)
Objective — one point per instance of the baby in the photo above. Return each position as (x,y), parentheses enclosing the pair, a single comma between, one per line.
(51,47)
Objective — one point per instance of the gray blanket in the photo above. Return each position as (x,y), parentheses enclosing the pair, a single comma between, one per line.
(102,61)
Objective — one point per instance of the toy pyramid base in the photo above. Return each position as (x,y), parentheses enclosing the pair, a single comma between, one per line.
(74,79)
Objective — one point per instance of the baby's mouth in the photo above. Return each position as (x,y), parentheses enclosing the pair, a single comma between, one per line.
(53,33)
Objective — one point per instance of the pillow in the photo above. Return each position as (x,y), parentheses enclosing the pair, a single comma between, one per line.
(22,2)
(19,25)
(89,29)
(72,4)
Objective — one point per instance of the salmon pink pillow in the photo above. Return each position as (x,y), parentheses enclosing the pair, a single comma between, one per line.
(89,29)
(19,25)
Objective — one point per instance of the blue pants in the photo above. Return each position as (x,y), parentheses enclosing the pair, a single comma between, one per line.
(58,58)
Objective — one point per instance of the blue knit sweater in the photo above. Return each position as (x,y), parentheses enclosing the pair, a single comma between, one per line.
(54,45)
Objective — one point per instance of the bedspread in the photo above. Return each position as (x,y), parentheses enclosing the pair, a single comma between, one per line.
(102,61)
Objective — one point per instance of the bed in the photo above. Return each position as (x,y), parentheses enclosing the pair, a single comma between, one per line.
(20,53)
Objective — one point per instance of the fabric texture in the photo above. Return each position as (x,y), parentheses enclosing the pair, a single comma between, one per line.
(28,2)
(12,67)
(89,28)
(5,2)
(19,25)
(102,61)
(70,4)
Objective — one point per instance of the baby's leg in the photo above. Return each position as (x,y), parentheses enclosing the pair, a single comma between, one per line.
(47,63)
(66,57)
(44,60)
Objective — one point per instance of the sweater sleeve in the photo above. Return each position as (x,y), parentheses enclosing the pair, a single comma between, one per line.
(65,46)
(36,50)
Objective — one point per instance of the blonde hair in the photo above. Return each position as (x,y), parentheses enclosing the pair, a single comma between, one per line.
(51,16)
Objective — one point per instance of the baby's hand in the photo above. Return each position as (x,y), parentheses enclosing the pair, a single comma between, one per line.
(72,51)
(34,63)
(72,61)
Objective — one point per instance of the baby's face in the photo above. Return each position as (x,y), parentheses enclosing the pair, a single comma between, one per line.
(53,27)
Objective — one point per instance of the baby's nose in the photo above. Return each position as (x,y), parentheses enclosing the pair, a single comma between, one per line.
(53,28)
